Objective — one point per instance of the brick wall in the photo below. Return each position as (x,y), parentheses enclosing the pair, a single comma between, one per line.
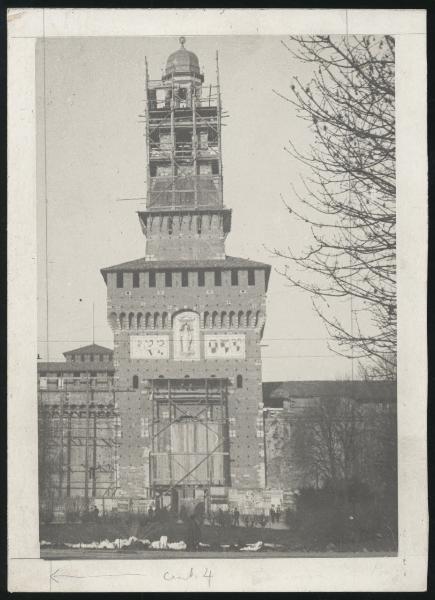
(244,403)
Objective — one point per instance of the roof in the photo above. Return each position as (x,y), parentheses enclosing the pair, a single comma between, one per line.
(363,391)
(182,61)
(75,367)
(229,262)
(91,349)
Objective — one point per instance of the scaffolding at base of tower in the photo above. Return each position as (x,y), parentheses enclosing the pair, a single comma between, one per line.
(189,437)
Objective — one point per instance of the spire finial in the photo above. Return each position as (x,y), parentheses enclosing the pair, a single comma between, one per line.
(182,40)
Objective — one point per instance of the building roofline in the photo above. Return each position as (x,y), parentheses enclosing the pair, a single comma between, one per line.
(229,262)
(89,349)
(356,389)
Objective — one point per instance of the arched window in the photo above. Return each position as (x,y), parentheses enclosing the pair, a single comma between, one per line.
(148,320)
(130,320)
(170,225)
(239,381)
(164,320)
(232,318)
(122,320)
(206,319)
(135,382)
(139,320)
(240,319)
(248,318)
(113,320)
(157,321)
(214,319)
(224,319)
(257,318)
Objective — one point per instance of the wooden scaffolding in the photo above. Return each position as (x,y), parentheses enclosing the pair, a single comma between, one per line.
(189,435)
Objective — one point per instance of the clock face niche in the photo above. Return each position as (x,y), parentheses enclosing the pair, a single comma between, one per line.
(149,347)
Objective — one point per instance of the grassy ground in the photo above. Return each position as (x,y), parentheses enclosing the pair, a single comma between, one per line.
(215,537)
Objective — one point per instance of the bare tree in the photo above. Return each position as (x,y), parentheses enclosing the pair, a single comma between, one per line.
(327,441)
(348,198)
(339,441)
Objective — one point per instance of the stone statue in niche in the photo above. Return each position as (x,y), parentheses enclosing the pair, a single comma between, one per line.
(186,338)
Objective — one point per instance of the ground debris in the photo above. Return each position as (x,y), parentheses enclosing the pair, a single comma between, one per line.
(252,547)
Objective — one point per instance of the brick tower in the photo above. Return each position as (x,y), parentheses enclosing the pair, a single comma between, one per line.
(187,319)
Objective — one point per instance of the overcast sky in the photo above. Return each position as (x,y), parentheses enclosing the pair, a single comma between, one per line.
(95,155)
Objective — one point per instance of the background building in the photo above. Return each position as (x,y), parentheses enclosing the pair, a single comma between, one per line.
(78,426)
(330,432)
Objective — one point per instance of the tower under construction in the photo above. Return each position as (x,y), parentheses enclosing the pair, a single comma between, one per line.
(187,319)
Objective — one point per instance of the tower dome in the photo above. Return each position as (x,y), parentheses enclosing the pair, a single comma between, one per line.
(182,62)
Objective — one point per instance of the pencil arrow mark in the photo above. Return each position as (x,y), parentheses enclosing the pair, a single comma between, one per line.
(56,575)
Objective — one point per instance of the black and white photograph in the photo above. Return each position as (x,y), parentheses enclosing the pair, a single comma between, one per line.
(216,359)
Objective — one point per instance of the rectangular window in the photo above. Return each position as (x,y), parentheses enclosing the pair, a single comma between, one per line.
(101,357)
(136,280)
(234,277)
(218,277)
(251,277)
(92,357)
(120,280)
(184,278)
(152,279)
(168,279)
(201,278)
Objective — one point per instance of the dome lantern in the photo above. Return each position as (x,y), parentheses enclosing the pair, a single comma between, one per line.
(182,62)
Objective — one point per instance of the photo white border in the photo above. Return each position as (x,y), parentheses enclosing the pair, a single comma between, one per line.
(406,572)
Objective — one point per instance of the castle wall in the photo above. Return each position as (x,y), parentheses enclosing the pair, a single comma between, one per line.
(216,307)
